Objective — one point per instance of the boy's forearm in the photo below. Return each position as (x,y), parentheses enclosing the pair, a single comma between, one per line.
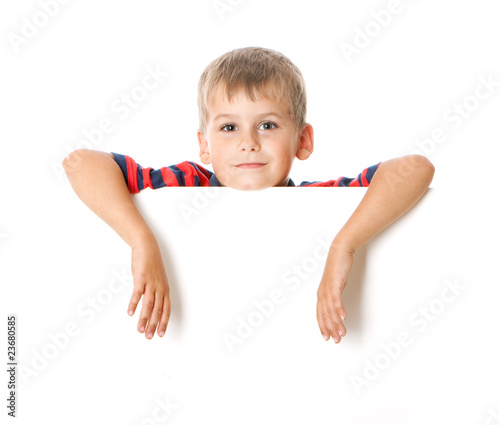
(98,181)
(395,187)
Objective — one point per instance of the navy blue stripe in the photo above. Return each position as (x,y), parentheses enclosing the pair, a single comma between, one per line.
(179,175)
(213,180)
(122,163)
(140,179)
(157,179)
(345,181)
(370,172)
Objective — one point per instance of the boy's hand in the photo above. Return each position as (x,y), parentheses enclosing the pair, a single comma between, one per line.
(150,280)
(330,311)
(396,186)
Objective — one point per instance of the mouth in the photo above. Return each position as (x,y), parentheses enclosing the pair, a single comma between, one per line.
(251,165)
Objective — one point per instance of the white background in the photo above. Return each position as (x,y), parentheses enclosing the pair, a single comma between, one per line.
(394,91)
(64,78)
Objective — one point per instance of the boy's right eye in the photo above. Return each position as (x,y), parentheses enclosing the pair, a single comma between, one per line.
(227,126)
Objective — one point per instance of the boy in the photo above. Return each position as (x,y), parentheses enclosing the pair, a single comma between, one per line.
(252,108)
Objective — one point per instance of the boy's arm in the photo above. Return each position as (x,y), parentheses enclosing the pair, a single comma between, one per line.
(396,186)
(99,183)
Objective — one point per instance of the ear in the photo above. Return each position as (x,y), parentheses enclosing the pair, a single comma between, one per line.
(204,151)
(306,143)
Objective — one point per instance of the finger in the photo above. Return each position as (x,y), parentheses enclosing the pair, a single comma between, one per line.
(339,316)
(332,304)
(337,331)
(165,315)
(327,329)
(341,329)
(331,322)
(335,326)
(324,321)
(325,333)
(323,329)
(135,298)
(147,307)
(340,325)
(155,317)
(339,308)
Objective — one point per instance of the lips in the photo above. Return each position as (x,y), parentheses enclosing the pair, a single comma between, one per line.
(251,165)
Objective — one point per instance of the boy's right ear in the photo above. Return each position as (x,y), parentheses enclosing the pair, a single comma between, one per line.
(204,150)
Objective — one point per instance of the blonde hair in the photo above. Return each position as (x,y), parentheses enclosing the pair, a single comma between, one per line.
(260,72)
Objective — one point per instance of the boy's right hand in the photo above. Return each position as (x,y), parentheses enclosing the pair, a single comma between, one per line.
(150,280)
(112,202)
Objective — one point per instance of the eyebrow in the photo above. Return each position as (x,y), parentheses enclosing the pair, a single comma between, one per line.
(230,116)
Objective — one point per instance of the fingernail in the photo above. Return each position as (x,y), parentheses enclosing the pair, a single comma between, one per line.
(150,335)
(161,333)
(130,313)
(342,317)
(326,337)
(142,329)
(340,333)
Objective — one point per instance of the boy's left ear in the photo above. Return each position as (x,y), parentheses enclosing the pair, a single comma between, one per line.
(306,142)
(204,151)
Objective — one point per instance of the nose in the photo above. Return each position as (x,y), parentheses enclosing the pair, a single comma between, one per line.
(249,141)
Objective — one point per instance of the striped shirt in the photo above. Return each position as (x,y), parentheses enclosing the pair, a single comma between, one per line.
(189,173)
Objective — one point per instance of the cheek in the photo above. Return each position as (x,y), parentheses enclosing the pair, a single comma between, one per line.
(285,154)
(222,156)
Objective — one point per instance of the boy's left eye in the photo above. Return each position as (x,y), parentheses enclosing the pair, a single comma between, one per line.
(270,125)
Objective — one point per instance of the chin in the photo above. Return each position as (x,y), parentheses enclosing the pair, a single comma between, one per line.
(251,186)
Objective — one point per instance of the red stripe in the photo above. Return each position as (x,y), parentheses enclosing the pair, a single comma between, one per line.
(354,183)
(363,177)
(132,174)
(337,182)
(169,177)
(328,183)
(204,181)
(189,172)
(146,177)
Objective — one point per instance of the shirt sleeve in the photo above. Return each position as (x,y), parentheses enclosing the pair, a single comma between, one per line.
(137,178)
(362,180)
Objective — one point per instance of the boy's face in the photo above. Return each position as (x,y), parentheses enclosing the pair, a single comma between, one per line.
(243,132)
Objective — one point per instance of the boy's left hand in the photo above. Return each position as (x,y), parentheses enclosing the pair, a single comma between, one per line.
(329,309)
(396,186)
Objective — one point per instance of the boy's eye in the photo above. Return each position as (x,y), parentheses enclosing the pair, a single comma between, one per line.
(268,125)
(228,127)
